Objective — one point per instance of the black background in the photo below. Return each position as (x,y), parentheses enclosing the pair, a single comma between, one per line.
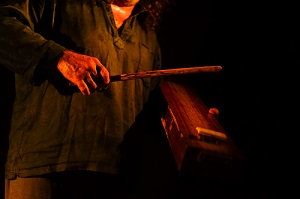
(257,45)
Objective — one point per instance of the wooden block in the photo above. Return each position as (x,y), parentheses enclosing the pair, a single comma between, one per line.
(199,143)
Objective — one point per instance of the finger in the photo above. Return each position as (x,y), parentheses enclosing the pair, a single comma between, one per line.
(83,88)
(90,80)
(98,63)
(102,88)
(104,74)
(90,67)
(103,71)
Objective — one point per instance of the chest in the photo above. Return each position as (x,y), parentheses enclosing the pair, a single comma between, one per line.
(121,14)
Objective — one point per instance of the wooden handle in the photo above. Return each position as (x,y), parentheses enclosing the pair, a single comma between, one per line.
(175,71)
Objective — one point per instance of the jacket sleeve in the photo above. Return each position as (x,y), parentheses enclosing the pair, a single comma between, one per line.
(22,49)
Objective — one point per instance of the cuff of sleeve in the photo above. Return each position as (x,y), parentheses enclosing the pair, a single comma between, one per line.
(48,62)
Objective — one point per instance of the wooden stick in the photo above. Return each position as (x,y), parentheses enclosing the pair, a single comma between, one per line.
(164,72)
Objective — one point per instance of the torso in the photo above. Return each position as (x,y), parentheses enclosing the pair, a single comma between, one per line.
(136,51)
(121,14)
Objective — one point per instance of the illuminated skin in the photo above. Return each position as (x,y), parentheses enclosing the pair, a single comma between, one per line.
(121,14)
(79,69)
(122,10)
(123,3)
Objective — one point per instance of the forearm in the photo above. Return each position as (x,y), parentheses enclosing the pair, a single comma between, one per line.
(21,49)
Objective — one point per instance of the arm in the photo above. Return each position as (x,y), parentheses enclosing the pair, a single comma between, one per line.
(27,53)
(21,48)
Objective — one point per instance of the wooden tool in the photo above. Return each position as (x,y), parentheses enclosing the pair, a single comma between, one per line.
(164,72)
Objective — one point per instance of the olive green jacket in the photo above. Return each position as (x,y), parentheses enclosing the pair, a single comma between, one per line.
(54,127)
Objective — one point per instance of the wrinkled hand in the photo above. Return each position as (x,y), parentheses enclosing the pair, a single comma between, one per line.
(86,72)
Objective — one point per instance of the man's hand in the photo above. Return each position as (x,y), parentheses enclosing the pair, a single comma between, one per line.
(80,70)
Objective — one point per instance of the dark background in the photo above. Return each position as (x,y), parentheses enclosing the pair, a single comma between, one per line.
(257,46)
